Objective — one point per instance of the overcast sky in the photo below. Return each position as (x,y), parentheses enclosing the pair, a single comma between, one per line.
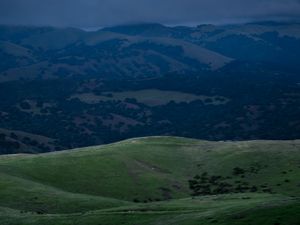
(99,13)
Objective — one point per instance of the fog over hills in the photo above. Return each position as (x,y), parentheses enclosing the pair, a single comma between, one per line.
(80,13)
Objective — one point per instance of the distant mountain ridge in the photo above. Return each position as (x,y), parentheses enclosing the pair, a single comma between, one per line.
(143,50)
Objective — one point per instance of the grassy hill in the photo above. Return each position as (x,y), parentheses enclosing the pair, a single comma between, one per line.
(157,180)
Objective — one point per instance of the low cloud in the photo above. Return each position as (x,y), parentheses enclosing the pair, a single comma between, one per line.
(89,13)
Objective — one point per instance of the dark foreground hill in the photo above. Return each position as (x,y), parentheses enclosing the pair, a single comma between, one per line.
(157,180)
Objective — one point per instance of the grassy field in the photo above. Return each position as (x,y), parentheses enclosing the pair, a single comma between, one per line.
(147,181)
(152,97)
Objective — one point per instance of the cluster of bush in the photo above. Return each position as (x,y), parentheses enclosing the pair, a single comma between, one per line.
(205,184)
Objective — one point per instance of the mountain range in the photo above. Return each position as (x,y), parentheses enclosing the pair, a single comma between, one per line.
(64,87)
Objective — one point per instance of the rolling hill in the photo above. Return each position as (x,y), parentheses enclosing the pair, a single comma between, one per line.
(154,180)
(142,50)
(57,53)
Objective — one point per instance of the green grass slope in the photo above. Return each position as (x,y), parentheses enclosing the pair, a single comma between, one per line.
(147,181)
(238,209)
